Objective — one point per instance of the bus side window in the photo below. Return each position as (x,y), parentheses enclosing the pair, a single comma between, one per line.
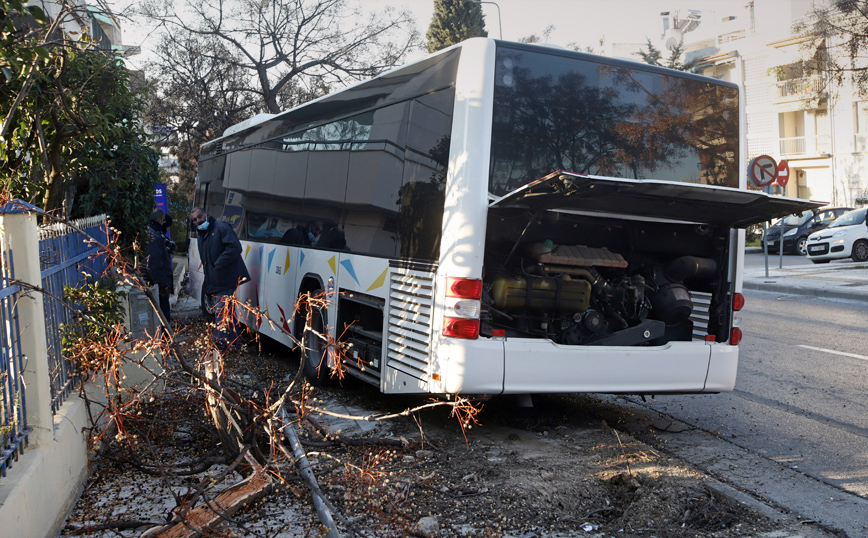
(422,195)
(375,175)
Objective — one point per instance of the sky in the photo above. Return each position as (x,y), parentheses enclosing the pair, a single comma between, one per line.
(586,22)
(582,21)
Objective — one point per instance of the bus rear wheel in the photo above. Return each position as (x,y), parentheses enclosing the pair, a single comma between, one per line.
(314,350)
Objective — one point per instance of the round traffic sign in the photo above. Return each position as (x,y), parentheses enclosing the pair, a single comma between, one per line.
(783,173)
(763,170)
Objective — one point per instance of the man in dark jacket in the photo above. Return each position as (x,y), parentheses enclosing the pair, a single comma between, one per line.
(158,266)
(223,268)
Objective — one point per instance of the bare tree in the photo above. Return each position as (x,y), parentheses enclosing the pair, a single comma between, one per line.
(843,26)
(195,97)
(278,43)
(544,38)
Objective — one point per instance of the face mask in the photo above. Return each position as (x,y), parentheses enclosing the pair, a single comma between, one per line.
(202,227)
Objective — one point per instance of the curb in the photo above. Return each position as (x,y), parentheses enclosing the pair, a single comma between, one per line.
(795,289)
(702,450)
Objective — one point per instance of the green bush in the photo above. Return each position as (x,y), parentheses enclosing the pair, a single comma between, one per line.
(752,235)
(85,338)
(180,206)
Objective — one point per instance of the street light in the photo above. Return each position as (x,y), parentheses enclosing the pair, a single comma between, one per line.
(499,26)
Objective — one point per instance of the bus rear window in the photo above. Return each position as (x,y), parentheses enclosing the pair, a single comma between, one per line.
(562,112)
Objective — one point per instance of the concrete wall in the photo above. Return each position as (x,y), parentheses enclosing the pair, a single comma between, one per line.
(38,491)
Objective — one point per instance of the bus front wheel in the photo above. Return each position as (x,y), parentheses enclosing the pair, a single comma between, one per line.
(314,350)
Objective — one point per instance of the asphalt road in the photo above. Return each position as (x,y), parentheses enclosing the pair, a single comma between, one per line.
(795,430)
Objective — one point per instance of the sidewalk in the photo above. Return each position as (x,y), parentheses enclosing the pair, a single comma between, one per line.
(839,279)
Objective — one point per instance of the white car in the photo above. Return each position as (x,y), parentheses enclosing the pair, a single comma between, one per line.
(847,237)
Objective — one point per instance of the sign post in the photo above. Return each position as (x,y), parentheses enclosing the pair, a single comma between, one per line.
(762,170)
(783,173)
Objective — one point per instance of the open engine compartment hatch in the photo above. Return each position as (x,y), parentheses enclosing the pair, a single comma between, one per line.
(583,260)
(686,202)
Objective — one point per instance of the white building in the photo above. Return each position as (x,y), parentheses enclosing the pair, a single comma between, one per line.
(79,19)
(792,115)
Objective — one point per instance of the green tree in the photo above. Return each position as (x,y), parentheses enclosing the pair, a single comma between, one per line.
(453,22)
(72,140)
(115,166)
(651,56)
(654,56)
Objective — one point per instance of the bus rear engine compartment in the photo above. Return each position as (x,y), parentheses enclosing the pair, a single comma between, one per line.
(574,294)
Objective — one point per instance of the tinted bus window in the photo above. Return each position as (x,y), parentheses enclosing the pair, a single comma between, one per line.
(421,78)
(422,198)
(561,112)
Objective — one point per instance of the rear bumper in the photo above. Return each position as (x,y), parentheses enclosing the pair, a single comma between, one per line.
(540,366)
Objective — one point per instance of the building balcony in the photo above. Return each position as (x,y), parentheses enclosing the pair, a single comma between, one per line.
(731,36)
(800,88)
(805,145)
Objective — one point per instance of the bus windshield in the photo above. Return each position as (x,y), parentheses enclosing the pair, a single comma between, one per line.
(558,112)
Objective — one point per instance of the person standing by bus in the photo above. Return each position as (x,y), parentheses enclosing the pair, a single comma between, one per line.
(158,266)
(224,271)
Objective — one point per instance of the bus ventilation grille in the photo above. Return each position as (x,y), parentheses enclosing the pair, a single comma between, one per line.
(411,299)
(699,316)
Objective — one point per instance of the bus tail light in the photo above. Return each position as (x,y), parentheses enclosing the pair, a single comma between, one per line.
(464,288)
(736,337)
(461,328)
(737,305)
(463,306)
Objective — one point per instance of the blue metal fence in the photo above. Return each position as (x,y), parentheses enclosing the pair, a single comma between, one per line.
(66,259)
(13,411)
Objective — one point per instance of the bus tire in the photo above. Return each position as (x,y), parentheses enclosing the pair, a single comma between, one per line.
(314,348)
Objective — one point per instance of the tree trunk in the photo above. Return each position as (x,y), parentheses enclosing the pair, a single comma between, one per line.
(53,199)
(207,516)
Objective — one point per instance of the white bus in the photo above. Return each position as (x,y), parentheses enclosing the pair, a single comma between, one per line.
(502,218)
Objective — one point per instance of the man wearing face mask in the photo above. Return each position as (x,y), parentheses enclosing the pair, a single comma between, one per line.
(223,267)
(304,235)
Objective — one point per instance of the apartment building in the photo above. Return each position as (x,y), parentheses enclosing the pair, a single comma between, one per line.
(792,114)
(78,18)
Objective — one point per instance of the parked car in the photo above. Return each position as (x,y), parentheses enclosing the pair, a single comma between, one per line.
(797,228)
(847,237)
